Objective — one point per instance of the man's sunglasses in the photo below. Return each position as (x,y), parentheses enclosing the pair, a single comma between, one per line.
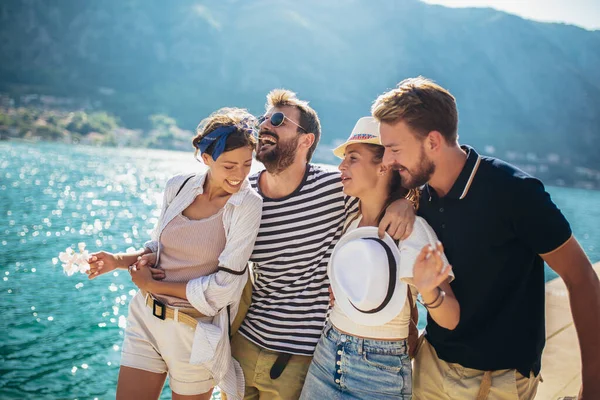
(277,119)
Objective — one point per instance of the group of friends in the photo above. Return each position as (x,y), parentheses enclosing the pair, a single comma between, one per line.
(301,282)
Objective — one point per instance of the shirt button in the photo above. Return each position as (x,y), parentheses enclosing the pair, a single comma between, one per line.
(441,209)
(339,363)
(339,352)
(343,339)
(339,371)
(443,226)
(337,381)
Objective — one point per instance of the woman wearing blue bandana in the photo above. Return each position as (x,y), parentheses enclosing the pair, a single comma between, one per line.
(179,326)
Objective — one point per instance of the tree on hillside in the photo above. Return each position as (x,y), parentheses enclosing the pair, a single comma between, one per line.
(50,132)
(84,123)
(162,122)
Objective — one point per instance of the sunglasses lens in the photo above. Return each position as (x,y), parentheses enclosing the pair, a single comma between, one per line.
(277,119)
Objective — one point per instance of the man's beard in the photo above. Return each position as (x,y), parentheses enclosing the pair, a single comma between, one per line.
(280,157)
(420,175)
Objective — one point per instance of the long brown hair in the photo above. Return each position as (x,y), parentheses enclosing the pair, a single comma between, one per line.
(395,190)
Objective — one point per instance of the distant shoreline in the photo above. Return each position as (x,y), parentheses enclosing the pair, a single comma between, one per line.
(547,180)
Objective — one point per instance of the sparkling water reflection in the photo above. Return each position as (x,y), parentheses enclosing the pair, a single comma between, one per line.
(62,335)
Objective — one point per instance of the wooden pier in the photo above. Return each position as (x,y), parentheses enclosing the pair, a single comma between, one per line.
(561,362)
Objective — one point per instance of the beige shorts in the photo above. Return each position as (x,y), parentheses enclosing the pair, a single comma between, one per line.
(257,362)
(436,379)
(160,346)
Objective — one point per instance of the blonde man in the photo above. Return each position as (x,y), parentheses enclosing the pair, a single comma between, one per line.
(498,226)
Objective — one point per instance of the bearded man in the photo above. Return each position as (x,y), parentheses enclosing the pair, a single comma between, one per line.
(498,225)
(304,210)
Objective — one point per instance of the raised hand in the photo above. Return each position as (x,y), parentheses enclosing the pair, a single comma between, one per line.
(429,270)
(101,263)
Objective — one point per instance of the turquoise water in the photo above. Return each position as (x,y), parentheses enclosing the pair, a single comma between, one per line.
(62,335)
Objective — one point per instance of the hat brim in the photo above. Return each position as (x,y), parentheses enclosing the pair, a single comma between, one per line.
(341,149)
(398,299)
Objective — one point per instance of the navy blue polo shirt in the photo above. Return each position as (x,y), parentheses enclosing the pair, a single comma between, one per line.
(494,223)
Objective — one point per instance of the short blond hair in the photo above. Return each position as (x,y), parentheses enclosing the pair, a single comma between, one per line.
(423,105)
(309,120)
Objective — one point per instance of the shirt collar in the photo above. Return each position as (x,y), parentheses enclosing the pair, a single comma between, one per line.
(463,183)
(235,199)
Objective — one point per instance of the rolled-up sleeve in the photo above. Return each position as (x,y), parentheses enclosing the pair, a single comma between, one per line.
(209,294)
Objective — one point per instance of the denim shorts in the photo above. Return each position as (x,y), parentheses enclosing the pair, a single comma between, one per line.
(349,367)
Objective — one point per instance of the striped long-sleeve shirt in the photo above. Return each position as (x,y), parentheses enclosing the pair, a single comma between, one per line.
(297,234)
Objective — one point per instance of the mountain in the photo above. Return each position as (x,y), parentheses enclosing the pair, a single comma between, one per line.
(521,86)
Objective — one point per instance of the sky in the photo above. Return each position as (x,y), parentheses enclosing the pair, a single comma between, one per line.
(584,13)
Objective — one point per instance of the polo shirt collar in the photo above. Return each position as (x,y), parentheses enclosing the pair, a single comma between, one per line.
(235,199)
(462,184)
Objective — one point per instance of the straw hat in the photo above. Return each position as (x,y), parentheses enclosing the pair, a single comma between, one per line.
(366,130)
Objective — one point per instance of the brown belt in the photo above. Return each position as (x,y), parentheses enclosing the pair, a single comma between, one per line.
(162,311)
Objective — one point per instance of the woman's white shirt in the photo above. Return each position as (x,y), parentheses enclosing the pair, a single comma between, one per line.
(212,294)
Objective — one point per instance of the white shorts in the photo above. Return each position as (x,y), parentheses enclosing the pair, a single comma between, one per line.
(159,346)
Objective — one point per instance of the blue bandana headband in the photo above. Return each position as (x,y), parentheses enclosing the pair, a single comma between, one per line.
(220,136)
